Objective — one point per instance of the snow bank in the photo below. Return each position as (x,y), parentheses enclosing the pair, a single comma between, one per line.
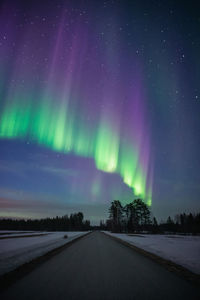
(20,234)
(182,250)
(17,251)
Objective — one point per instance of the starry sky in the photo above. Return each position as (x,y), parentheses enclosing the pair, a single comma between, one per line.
(99,100)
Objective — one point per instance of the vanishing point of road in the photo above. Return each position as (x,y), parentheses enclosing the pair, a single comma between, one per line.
(98,267)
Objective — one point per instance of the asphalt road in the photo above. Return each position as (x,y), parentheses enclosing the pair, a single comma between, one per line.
(98,267)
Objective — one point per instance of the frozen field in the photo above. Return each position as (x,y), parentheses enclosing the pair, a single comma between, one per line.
(16,250)
(183,250)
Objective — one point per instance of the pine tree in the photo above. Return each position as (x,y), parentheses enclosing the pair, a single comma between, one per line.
(116,215)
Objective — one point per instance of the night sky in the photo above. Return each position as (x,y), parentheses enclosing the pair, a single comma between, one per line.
(99,100)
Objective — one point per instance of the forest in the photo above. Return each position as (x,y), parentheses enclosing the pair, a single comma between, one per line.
(75,222)
(134,217)
(137,217)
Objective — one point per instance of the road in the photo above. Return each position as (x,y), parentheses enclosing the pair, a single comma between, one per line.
(98,267)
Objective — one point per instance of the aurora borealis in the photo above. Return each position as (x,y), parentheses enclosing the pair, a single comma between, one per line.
(99,99)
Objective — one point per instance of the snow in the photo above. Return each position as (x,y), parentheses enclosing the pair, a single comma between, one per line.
(182,250)
(16,234)
(17,251)
(2,232)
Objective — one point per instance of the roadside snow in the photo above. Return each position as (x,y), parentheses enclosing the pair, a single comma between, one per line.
(183,250)
(17,251)
(19,234)
(2,232)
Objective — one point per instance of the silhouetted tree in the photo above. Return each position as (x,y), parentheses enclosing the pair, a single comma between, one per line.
(142,214)
(133,217)
(116,215)
(155,227)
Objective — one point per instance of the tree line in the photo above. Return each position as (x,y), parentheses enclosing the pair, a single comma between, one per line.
(132,217)
(183,223)
(75,222)
(136,217)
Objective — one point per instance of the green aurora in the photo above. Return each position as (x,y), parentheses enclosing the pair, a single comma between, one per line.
(55,127)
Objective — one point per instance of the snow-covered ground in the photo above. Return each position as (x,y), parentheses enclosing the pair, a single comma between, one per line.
(15,234)
(2,232)
(183,250)
(17,251)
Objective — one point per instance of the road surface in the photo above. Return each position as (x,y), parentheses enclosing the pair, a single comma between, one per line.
(98,267)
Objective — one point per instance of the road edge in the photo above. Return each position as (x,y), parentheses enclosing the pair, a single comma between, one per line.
(11,277)
(168,264)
